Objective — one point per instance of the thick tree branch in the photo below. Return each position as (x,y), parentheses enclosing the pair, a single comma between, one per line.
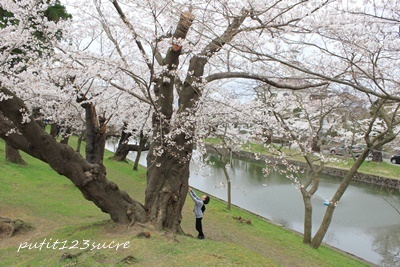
(190,93)
(9,133)
(245,75)
(335,80)
(216,44)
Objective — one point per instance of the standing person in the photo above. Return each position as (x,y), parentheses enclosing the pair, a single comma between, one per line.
(199,208)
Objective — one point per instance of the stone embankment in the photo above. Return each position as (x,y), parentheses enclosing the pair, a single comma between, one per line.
(373,180)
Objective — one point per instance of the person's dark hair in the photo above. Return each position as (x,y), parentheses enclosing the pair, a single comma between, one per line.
(206,200)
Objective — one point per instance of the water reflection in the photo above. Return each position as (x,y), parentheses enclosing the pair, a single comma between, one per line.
(386,243)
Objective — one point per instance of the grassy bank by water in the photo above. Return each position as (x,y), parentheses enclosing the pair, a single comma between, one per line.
(381,169)
(57,211)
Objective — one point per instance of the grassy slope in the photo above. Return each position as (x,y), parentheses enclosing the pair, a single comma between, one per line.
(57,210)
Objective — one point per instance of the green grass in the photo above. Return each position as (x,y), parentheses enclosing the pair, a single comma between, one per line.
(56,209)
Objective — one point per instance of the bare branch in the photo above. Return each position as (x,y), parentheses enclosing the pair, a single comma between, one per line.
(132,29)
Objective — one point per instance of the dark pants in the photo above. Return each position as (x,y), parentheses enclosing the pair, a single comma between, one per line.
(199,227)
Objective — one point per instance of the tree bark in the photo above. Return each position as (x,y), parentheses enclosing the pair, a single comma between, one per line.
(377,156)
(78,146)
(122,149)
(96,131)
(65,136)
(167,186)
(89,178)
(142,147)
(307,217)
(13,155)
(54,129)
(167,167)
(168,159)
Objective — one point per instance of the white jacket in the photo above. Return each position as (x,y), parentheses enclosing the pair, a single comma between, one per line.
(198,204)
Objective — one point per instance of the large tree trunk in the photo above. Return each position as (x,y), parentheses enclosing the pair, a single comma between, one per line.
(167,186)
(37,115)
(167,165)
(13,155)
(89,178)
(142,146)
(169,156)
(96,131)
(122,149)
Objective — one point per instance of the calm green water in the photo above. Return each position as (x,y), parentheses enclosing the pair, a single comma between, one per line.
(364,223)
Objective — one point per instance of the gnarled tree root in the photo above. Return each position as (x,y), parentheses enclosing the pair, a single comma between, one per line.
(9,227)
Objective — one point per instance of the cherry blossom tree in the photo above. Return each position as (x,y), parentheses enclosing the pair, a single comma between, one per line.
(161,51)
(359,61)
(223,118)
(165,55)
(367,57)
(41,75)
(174,65)
(308,119)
